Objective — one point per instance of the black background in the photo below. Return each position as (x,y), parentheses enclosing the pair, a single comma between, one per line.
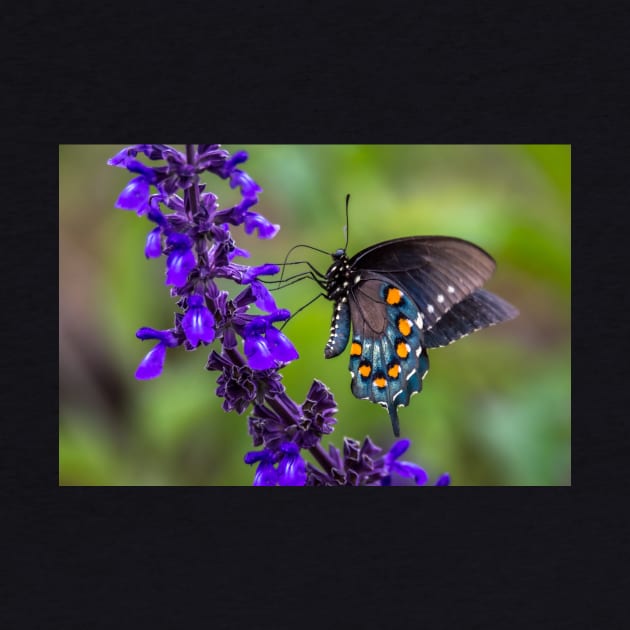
(264,73)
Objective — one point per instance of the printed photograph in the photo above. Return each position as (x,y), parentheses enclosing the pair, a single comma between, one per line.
(314,315)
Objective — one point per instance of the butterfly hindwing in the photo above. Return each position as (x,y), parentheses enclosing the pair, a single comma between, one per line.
(477,311)
(387,357)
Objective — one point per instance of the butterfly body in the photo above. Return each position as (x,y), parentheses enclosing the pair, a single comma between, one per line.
(398,298)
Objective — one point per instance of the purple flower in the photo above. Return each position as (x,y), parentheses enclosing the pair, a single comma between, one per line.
(443,480)
(198,323)
(153,247)
(181,260)
(255,221)
(152,364)
(265,346)
(135,196)
(318,416)
(195,237)
(292,468)
(404,469)
(266,473)
(238,384)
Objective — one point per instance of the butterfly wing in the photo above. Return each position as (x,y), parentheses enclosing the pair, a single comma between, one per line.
(436,271)
(387,356)
(477,311)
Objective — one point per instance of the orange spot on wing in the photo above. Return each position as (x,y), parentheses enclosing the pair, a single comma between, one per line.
(355,349)
(365,370)
(401,350)
(404,325)
(379,382)
(393,296)
(394,371)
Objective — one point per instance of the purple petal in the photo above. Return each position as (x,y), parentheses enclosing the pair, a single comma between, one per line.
(135,196)
(292,469)
(256,456)
(178,265)
(259,356)
(282,349)
(152,364)
(265,229)
(280,315)
(237,158)
(408,469)
(443,480)
(165,336)
(398,449)
(267,269)
(264,299)
(266,474)
(198,324)
(153,247)
(119,159)
(249,188)
(150,333)
(237,251)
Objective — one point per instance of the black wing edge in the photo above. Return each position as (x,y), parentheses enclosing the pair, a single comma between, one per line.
(479,310)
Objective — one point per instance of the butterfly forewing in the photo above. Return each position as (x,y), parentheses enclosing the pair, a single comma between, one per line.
(436,271)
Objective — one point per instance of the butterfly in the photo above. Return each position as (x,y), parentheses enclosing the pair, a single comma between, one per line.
(402,297)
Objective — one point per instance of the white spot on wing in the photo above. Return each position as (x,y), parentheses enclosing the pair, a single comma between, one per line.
(450,289)
(419,351)
(419,321)
(430,308)
(440,298)
(410,375)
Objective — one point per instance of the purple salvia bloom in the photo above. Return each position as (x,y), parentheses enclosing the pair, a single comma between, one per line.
(318,416)
(266,473)
(265,346)
(153,246)
(135,196)
(404,469)
(199,249)
(251,273)
(264,299)
(292,468)
(152,364)
(255,221)
(181,260)
(237,251)
(443,480)
(198,323)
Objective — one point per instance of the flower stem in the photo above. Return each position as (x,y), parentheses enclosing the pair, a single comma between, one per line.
(322,457)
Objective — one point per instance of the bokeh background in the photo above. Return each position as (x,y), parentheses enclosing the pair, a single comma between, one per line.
(495,408)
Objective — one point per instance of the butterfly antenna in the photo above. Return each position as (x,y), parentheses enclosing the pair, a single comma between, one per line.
(347,222)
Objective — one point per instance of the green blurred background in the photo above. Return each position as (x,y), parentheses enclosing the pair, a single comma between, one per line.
(495,409)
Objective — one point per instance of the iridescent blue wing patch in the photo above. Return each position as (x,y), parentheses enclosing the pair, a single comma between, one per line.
(387,356)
